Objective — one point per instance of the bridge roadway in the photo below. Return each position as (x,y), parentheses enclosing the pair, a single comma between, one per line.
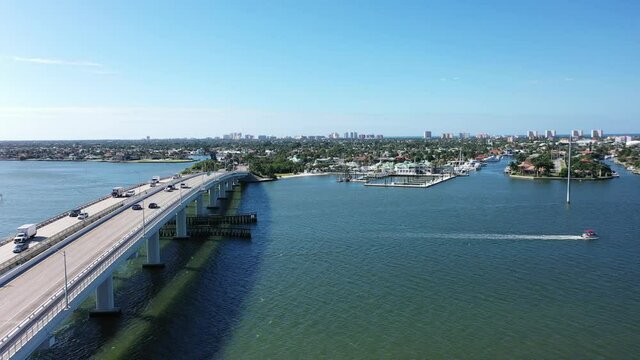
(23,295)
(57,226)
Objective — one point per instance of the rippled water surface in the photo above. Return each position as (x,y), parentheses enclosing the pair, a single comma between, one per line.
(477,267)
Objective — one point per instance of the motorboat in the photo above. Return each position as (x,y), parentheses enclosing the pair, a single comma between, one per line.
(589,235)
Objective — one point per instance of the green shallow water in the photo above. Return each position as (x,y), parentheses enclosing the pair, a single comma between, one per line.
(482,267)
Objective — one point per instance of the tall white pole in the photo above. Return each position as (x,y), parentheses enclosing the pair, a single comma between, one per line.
(66,293)
(569,173)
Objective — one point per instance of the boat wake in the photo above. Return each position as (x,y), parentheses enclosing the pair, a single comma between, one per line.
(466,236)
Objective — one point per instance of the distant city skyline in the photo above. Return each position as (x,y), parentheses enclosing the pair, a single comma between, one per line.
(125,70)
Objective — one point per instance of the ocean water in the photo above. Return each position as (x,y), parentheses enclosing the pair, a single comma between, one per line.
(479,267)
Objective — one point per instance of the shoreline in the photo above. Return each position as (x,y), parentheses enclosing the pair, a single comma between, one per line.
(526,177)
(291,176)
(141,161)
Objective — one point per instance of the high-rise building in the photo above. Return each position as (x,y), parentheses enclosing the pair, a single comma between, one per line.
(379,137)
(532,134)
(465,135)
(334,135)
(597,134)
(577,133)
(447,135)
(550,134)
(346,135)
(482,135)
(427,134)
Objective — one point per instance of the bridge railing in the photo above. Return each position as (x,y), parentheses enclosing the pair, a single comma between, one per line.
(43,245)
(66,213)
(53,306)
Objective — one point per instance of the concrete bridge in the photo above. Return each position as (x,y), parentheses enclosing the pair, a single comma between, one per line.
(36,296)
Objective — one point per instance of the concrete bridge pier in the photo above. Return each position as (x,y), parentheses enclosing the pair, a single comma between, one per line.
(181,225)
(105,304)
(153,251)
(213,198)
(200,208)
(228,186)
(222,193)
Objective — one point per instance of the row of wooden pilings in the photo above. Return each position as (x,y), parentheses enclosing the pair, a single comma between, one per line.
(201,227)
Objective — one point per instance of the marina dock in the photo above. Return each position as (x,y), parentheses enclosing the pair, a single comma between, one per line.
(412,183)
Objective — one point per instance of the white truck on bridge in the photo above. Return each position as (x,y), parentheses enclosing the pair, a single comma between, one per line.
(118,191)
(25,232)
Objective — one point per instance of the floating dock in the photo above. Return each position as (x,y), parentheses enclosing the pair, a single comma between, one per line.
(413,184)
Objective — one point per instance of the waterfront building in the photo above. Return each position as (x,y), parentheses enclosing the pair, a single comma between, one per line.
(427,134)
(597,134)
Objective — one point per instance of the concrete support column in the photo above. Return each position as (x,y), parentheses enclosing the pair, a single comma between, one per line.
(105,303)
(181,224)
(200,209)
(222,193)
(213,197)
(228,186)
(153,251)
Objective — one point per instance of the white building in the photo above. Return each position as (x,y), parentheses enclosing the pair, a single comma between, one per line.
(550,134)
(577,133)
(597,134)
(427,134)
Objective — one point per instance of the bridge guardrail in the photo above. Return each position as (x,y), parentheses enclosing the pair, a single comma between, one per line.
(66,213)
(40,247)
(53,306)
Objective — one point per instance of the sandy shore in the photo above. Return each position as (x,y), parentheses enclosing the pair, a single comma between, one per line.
(289,176)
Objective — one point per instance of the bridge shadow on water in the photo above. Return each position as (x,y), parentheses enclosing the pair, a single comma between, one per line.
(188,310)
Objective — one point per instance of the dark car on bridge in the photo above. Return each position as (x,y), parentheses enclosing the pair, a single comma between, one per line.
(153,206)
(136,207)
(75,212)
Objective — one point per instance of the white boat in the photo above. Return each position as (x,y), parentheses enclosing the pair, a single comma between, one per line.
(589,235)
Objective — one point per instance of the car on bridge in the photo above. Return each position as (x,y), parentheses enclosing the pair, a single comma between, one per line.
(83,216)
(75,212)
(136,207)
(153,206)
(184,186)
(20,247)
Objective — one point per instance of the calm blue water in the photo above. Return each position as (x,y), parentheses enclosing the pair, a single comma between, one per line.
(477,267)
(33,191)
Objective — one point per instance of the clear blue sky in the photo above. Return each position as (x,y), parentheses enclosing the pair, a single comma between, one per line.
(127,69)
